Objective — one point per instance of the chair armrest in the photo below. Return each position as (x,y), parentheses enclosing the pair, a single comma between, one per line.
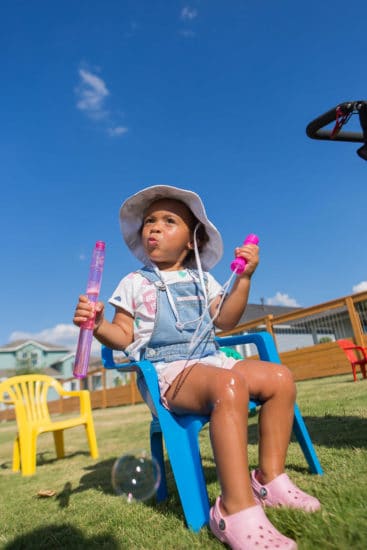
(6,401)
(362,350)
(71,393)
(108,361)
(262,340)
(84,399)
(356,348)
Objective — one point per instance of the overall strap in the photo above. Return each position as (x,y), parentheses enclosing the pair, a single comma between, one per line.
(148,273)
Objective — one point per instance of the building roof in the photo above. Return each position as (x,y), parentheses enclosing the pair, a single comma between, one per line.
(52,372)
(256,311)
(18,344)
(7,373)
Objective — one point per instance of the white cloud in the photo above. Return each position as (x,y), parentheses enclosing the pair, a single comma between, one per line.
(360,287)
(282,300)
(117,131)
(61,334)
(187,13)
(91,93)
(91,97)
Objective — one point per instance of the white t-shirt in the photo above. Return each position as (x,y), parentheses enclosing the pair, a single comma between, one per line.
(138,296)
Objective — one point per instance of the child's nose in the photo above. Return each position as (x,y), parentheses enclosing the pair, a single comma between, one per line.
(156,226)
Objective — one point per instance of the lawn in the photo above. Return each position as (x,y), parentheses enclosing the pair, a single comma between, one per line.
(85,513)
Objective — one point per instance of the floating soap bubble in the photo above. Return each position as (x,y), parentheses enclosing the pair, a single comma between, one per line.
(136,476)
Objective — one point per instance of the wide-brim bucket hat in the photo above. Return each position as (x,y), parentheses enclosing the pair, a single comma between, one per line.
(132,215)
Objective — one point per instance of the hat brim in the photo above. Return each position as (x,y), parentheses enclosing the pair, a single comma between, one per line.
(132,213)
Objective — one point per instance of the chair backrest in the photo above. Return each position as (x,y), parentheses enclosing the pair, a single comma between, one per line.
(28,394)
(349,349)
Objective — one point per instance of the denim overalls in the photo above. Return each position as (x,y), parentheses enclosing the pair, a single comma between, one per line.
(173,330)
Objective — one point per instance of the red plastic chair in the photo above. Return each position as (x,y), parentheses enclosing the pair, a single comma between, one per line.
(354,353)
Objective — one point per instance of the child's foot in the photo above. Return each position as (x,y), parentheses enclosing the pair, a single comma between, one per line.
(249,529)
(282,492)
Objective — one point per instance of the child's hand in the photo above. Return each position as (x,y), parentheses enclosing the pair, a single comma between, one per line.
(250,252)
(85,311)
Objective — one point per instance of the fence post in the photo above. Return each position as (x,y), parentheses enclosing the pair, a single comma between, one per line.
(133,388)
(104,393)
(355,322)
(269,320)
(269,324)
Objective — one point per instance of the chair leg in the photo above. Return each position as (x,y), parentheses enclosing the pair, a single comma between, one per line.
(184,454)
(92,440)
(59,443)
(16,455)
(28,452)
(354,373)
(156,448)
(305,442)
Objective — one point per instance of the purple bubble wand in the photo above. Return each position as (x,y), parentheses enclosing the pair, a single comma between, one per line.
(86,330)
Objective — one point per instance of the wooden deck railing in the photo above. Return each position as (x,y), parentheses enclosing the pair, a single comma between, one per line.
(319,359)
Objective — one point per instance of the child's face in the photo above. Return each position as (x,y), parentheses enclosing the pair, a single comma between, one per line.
(167,233)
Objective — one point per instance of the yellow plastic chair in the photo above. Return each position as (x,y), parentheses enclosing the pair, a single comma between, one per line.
(28,394)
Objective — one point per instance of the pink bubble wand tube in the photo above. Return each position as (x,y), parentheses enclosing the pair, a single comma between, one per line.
(86,330)
(239,264)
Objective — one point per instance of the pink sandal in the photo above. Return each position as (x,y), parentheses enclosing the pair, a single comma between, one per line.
(282,492)
(249,529)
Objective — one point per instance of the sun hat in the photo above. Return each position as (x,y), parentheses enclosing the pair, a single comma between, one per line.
(132,214)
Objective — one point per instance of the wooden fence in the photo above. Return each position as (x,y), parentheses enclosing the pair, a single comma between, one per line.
(316,361)
(320,359)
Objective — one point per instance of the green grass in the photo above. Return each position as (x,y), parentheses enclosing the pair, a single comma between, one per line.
(86,514)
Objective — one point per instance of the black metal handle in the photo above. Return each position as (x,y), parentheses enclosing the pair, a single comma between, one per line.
(314,128)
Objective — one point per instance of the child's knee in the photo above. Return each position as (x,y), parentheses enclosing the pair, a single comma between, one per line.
(231,389)
(286,379)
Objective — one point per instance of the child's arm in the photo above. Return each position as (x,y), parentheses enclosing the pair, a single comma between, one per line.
(236,301)
(117,334)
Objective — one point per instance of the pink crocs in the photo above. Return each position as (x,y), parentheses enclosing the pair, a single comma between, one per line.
(249,529)
(282,492)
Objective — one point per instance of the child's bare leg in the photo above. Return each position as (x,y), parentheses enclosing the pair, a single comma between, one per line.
(272,384)
(224,395)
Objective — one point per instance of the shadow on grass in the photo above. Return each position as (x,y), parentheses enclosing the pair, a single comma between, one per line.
(337,431)
(42,458)
(60,536)
(98,477)
(329,431)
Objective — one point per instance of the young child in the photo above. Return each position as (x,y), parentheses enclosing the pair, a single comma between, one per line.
(165,312)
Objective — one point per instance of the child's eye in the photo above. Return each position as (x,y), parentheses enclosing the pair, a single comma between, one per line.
(171,220)
(148,220)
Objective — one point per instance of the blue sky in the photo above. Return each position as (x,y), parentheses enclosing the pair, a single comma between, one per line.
(102,98)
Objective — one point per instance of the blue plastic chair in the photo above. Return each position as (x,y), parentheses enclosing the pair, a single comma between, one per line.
(181,433)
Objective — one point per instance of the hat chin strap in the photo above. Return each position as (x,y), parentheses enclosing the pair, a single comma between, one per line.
(198,264)
(199,334)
